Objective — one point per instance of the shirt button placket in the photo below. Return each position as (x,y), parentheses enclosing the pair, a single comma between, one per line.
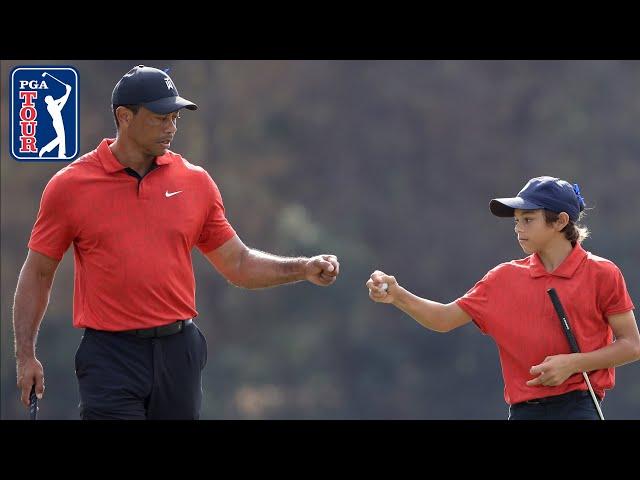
(142,190)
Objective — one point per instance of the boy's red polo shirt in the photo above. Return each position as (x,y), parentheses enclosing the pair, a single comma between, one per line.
(511,305)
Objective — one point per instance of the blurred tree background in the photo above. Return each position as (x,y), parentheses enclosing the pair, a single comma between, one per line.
(389,165)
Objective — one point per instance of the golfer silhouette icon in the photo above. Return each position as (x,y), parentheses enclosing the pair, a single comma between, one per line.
(54,107)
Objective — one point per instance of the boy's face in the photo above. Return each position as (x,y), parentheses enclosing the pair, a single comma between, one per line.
(533,232)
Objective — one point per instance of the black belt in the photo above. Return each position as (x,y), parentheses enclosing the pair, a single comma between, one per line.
(161,331)
(558,398)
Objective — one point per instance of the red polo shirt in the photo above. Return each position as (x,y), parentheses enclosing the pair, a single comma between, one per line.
(511,305)
(132,239)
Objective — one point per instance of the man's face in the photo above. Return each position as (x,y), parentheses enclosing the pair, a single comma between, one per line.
(152,132)
(533,232)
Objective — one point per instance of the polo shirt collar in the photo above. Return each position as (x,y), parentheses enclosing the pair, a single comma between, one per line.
(566,269)
(111,164)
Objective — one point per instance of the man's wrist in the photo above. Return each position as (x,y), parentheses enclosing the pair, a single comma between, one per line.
(24,355)
(25,349)
(299,265)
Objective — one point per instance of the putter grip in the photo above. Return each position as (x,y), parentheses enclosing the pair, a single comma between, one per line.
(564,321)
(33,404)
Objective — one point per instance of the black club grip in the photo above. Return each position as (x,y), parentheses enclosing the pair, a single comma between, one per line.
(33,404)
(557,305)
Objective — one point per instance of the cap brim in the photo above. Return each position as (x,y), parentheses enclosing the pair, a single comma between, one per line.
(504,207)
(169,105)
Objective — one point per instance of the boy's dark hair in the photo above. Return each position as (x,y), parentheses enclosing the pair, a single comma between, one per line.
(573,231)
(133,108)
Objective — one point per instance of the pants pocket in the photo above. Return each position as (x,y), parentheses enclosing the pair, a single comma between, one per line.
(203,348)
(78,363)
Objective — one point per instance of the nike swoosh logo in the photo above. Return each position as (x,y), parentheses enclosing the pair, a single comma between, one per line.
(167,194)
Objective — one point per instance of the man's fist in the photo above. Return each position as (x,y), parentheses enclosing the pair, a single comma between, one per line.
(29,373)
(322,270)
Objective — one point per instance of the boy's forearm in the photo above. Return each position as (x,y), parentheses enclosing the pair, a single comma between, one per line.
(618,353)
(426,312)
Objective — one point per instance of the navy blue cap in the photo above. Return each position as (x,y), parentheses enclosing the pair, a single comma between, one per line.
(151,88)
(549,193)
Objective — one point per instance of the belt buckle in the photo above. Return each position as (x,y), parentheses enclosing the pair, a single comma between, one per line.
(170,329)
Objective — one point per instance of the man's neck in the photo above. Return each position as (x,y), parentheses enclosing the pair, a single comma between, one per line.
(555,253)
(130,156)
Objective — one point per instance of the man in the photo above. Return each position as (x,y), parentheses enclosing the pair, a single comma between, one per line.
(134,210)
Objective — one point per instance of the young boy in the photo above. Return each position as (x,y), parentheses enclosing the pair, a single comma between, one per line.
(543,379)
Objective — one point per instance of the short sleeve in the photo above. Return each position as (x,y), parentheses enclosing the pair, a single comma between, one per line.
(216,229)
(476,302)
(613,296)
(53,230)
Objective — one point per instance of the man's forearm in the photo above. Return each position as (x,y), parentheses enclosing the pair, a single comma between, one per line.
(426,312)
(260,270)
(30,303)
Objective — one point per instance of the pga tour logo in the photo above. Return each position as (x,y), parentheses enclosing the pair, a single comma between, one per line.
(44,113)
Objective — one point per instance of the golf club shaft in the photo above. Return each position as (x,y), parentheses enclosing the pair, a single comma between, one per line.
(564,321)
(593,395)
(47,73)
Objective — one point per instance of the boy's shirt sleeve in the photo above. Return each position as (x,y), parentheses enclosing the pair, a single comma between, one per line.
(613,296)
(477,302)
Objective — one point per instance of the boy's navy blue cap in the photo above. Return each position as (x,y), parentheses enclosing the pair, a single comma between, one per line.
(542,192)
(151,88)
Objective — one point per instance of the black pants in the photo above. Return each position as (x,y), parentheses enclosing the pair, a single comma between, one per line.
(574,405)
(124,377)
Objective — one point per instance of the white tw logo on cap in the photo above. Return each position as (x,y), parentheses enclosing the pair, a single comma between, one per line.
(169,83)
